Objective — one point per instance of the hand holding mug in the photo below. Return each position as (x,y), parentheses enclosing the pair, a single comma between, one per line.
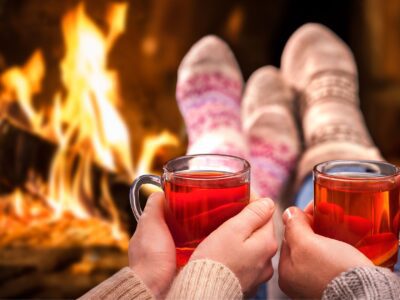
(357,202)
(245,244)
(152,249)
(308,261)
(202,192)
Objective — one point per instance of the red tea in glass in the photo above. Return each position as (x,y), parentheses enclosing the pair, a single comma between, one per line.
(357,202)
(199,202)
(202,192)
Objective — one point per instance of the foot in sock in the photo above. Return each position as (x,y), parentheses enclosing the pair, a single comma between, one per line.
(271,130)
(209,93)
(322,69)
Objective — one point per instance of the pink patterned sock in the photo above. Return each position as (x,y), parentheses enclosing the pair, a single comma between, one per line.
(270,127)
(208,93)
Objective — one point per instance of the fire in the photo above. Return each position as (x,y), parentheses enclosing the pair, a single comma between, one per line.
(23,83)
(84,122)
(150,147)
(87,120)
(88,109)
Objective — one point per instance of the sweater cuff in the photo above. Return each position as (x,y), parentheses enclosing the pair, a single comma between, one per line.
(205,279)
(364,283)
(122,285)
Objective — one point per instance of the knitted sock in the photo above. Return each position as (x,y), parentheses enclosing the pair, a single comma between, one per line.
(322,68)
(270,127)
(208,94)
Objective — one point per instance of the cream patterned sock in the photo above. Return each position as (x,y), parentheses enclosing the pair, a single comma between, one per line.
(322,69)
(271,131)
(208,93)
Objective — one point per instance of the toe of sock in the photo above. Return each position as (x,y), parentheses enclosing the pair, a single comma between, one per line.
(312,49)
(209,54)
(266,86)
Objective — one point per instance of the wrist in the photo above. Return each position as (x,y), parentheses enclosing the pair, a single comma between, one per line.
(147,279)
(205,279)
(362,282)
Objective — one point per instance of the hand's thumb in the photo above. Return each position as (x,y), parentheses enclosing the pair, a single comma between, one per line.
(256,214)
(297,224)
(152,235)
(153,213)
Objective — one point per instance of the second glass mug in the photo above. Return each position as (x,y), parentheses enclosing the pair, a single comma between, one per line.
(202,192)
(357,202)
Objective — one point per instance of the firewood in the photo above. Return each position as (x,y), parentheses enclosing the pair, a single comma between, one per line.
(20,152)
(22,285)
(43,259)
(23,153)
(70,273)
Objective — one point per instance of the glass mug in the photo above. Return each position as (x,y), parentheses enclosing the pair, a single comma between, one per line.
(202,192)
(357,202)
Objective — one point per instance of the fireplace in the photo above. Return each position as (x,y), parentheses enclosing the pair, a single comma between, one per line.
(87,104)
(68,155)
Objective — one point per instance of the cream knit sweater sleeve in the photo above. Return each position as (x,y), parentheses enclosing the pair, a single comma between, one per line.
(205,279)
(199,279)
(122,285)
(364,283)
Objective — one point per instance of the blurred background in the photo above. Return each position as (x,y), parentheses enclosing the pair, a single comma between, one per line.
(87,103)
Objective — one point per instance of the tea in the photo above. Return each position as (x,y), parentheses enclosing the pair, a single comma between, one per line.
(361,211)
(198,202)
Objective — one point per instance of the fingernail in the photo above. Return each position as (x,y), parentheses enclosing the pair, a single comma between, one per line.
(268,202)
(288,214)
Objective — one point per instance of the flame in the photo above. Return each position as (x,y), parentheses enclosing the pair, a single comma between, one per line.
(22,83)
(84,122)
(86,119)
(151,146)
(88,114)
(18,203)
(116,16)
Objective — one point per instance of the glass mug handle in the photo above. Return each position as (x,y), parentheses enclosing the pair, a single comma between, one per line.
(134,192)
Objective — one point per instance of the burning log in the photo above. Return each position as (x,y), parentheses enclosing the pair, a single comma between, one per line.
(56,272)
(20,152)
(64,251)
(43,260)
(19,266)
(26,160)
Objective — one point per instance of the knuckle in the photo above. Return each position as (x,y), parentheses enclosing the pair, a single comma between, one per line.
(231,230)
(269,274)
(273,247)
(259,265)
(302,245)
(259,210)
